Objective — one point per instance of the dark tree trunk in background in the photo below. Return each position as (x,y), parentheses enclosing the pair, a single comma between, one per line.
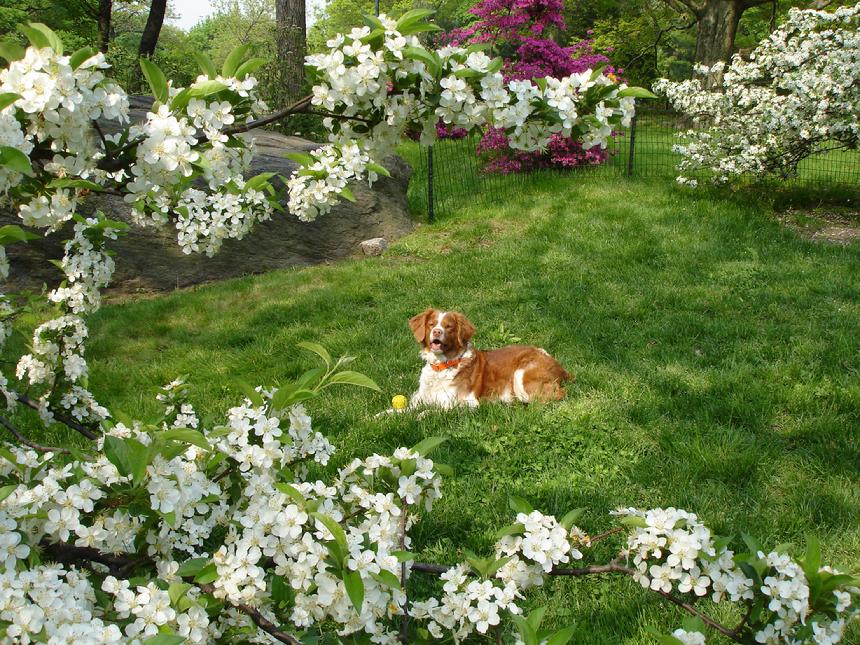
(105,8)
(717,25)
(149,38)
(291,35)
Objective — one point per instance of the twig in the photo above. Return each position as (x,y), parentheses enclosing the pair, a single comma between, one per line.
(101,134)
(259,620)
(605,534)
(266,120)
(20,437)
(74,425)
(725,631)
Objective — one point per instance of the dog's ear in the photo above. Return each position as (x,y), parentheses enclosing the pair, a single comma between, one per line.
(465,329)
(418,325)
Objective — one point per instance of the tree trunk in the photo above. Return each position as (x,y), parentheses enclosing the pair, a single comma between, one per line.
(105,8)
(715,41)
(291,35)
(149,38)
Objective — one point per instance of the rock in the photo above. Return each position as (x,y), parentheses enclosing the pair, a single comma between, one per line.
(150,259)
(374,246)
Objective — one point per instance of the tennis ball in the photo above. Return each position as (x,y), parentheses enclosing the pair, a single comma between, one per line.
(399,402)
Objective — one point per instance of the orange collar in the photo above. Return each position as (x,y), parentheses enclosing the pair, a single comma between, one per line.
(439,367)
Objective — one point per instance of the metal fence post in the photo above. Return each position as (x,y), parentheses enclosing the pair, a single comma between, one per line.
(431,216)
(632,150)
(376,7)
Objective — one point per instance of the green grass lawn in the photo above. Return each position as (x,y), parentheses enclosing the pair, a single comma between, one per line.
(717,359)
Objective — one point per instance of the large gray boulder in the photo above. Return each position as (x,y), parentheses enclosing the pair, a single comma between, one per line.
(150,259)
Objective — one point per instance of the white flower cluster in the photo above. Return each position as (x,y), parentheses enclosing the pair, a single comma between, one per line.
(689,638)
(56,361)
(268,530)
(672,550)
(59,103)
(466,605)
(796,95)
(391,82)
(179,144)
(538,544)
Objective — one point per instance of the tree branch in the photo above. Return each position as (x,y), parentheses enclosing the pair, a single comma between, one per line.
(725,631)
(684,6)
(259,620)
(74,425)
(20,437)
(266,120)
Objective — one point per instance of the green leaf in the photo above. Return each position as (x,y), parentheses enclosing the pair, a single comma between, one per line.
(752,544)
(75,183)
(176,590)
(519,505)
(535,618)
(255,397)
(81,56)
(387,578)
(636,92)
(258,181)
(634,521)
(562,636)
(7,99)
(430,60)
(527,632)
(403,556)
(54,41)
(206,575)
(11,51)
(428,445)
(311,376)
(281,591)
(317,349)
(205,64)
(8,456)
(156,79)
(205,88)
(15,159)
(412,17)
(569,520)
(334,528)
(291,492)
(186,435)
(37,39)
(12,233)
(192,567)
(811,562)
(420,27)
(301,158)
(511,529)
(234,59)
(346,193)
(128,455)
(349,377)
(249,67)
(354,588)
(7,490)
(443,469)
(379,170)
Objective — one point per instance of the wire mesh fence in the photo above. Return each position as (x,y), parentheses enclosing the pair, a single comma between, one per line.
(450,173)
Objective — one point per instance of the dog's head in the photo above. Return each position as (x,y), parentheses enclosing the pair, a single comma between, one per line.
(442,332)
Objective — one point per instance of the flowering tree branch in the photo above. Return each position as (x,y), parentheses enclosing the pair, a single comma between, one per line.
(20,437)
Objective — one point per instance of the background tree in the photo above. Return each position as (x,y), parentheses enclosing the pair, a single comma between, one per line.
(291,33)
(104,20)
(149,38)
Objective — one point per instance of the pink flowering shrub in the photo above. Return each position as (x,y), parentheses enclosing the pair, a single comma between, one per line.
(519,31)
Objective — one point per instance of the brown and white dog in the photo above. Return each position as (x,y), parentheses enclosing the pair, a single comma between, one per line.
(458,374)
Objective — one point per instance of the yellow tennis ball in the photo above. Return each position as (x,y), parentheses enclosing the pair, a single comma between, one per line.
(399,402)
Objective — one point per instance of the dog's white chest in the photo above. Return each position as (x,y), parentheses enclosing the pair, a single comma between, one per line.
(436,387)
